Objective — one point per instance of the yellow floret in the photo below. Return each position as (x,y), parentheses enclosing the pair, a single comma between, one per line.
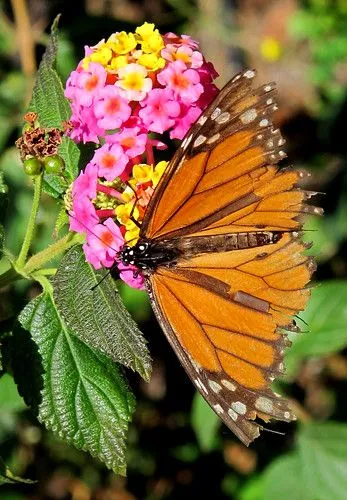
(132,235)
(158,172)
(118,62)
(122,43)
(123,213)
(151,61)
(142,173)
(153,43)
(145,31)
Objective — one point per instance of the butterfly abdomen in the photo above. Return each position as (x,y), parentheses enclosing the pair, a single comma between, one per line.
(191,246)
(149,254)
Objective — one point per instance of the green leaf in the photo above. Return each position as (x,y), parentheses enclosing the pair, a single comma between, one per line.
(317,470)
(10,399)
(91,306)
(7,477)
(323,460)
(205,423)
(326,317)
(85,399)
(283,479)
(49,102)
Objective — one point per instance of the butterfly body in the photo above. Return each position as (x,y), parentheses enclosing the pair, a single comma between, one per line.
(147,255)
(220,248)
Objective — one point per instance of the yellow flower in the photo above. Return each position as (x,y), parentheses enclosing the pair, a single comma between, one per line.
(129,192)
(124,212)
(158,172)
(142,173)
(151,61)
(153,44)
(118,62)
(270,49)
(132,235)
(122,43)
(145,31)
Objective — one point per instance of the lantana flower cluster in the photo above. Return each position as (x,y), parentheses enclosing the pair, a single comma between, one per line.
(125,93)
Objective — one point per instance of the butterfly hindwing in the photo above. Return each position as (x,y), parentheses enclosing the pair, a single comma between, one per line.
(223,311)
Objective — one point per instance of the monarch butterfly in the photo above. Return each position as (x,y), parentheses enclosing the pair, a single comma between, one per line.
(221,253)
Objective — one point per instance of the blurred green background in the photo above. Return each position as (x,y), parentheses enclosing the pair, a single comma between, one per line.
(177,448)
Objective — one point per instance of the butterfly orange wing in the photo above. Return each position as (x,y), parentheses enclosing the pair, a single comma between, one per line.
(222,311)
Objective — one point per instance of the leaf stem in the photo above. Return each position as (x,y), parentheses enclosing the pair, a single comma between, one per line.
(31,223)
(41,258)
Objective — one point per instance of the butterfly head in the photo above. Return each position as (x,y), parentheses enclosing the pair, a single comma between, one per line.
(136,255)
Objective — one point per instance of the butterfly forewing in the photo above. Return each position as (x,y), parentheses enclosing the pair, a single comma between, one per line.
(222,311)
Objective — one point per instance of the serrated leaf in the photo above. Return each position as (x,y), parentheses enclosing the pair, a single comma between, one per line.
(85,399)
(91,306)
(326,317)
(323,459)
(204,422)
(49,102)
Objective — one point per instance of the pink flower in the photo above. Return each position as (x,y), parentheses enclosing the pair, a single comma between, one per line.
(191,57)
(133,143)
(159,110)
(83,215)
(184,82)
(85,183)
(110,108)
(84,126)
(131,276)
(173,39)
(111,161)
(88,82)
(188,116)
(103,244)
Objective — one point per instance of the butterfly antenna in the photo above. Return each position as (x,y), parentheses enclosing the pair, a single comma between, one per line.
(272,431)
(132,218)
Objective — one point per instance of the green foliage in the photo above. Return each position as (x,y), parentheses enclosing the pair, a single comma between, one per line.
(7,476)
(316,470)
(53,109)
(84,399)
(205,423)
(326,319)
(324,25)
(90,305)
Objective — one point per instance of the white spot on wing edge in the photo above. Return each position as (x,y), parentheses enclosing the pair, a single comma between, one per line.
(200,385)
(214,386)
(202,120)
(213,139)
(232,414)
(264,404)
(239,407)
(249,74)
(199,140)
(218,409)
(229,385)
(186,141)
(223,118)
(215,113)
(248,116)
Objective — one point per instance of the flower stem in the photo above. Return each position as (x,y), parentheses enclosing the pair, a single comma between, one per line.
(31,223)
(37,261)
